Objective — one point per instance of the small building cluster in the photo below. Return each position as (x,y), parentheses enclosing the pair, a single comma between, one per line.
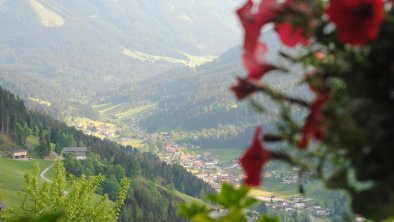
(102,130)
(288,177)
(18,154)
(205,166)
(298,204)
(80,153)
(14,153)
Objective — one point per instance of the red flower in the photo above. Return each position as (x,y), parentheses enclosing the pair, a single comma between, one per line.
(254,159)
(244,88)
(254,62)
(270,9)
(254,50)
(291,36)
(251,25)
(312,128)
(253,22)
(357,21)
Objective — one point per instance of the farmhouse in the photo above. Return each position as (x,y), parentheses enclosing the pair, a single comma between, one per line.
(78,152)
(19,154)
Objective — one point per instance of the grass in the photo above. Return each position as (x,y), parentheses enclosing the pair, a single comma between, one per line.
(86,121)
(151,58)
(101,105)
(46,16)
(135,111)
(12,177)
(187,198)
(136,143)
(261,193)
(224,155)
(314,190)
(190,60)
(197,60)
(111,108)
(40,101)
(279,189)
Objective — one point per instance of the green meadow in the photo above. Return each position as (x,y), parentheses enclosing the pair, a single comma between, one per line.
(12,177)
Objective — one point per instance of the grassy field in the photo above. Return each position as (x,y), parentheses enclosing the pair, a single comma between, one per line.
(279,189)
(190,60)
(86,122)
(40,101)
(110,108)
(107,109)
(100,106)
(223,155)
(46,16)
(313,190)
(135,111)
(136,143)
(186,198)
(12,177)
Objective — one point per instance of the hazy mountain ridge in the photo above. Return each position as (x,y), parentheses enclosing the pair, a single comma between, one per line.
(200,99)
(77,45)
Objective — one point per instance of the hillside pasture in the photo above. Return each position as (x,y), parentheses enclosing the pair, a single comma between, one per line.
(136,111)
(12,177)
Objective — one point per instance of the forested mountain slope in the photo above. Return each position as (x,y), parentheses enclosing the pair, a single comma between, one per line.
(199,101)
(85,47)
(146,170)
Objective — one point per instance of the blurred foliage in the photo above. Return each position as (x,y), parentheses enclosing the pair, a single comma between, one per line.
(75,197)
(230,204)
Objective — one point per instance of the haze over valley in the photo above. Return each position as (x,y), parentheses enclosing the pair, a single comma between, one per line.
(144,85)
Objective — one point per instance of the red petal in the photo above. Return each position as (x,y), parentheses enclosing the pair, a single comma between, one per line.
(291,36)
(244,88)
(269,10)
(251,26)
(254,159)
(254,63)
(312,127)
(357,21)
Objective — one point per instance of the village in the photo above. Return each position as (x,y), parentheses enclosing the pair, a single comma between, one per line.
(207,167)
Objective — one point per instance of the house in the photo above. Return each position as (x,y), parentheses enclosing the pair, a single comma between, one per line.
(19,154)
(78,152)
(299,205)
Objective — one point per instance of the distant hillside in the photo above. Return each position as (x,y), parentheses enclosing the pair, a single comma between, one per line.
(86,47)
(40,96)
(199,100)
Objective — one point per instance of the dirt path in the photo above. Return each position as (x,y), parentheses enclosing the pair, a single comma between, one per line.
(42,174)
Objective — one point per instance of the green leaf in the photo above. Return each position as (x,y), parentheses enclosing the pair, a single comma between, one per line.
(193,210)
(229,197)
(55,217)
(266,218)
